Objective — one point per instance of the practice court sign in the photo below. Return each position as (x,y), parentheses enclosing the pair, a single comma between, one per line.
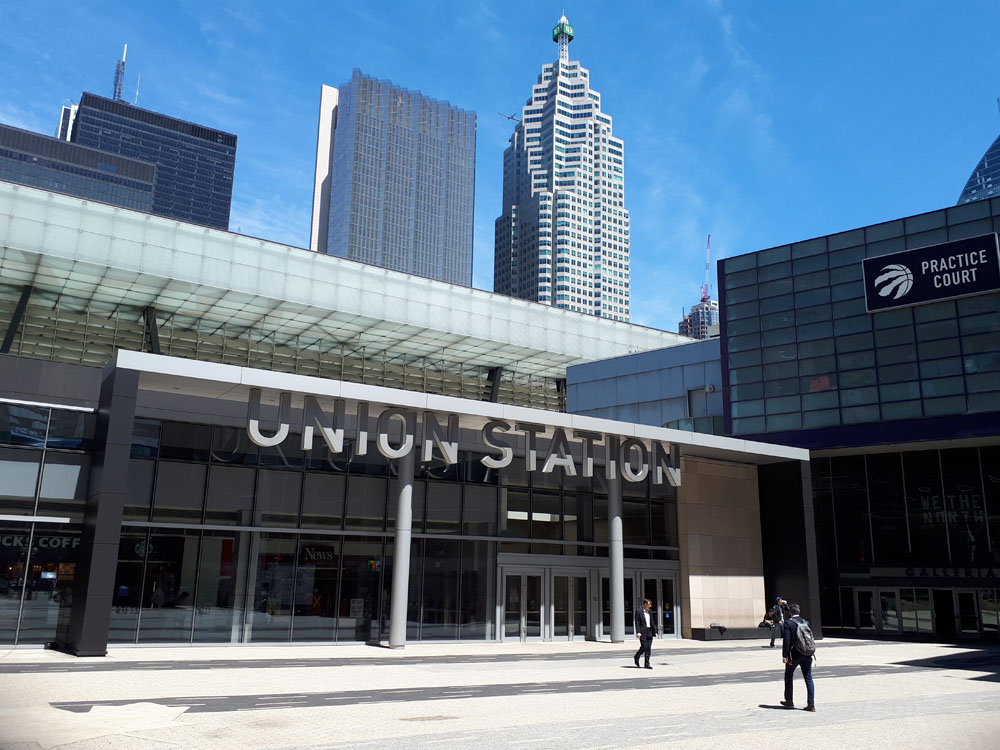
(932,274)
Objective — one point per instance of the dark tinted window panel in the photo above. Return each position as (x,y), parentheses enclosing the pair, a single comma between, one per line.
(741,294)
(737,327)
(849,308)
(145,438)
(745,392)
(981,402)
(747,341)
(895,355)
(817,366)
(230,496)
(859,414)
(233,446)
(366,498)
(897,373)
(776,304)
(809,247)
(986,342)
(776,271)
(778,337)
(846,274)
(848,326)
(820,401)
(808,265)
(323,501)
(850,497)
(937,407)
(925,508)
(784,319)
(817,314)
(815,348)
(944,387)
(742,310)
(934,311)
(981,362)
(744,375)
(190,442)
(72,430)
(815,331)
(856,360)
(893,318)
(748,408)
(784,422)
(857,378)
(748,426)
(980,324)
(812,297)
(941,329)
(779,353)
(854,343)
(443,508)
(741,278)
(780,370)
(220,601)
(23,425)
(140,490)
(856,396)
(740,263)
(899,392)
(180,488)
(743,359)
(848,256)
(888,509)
(817,280)
(983,303)
(782,405)
(902,410)
(774,255)
(893,336)
(938,349)
(287,454)
(940,368)
(479,515)
(818,383)
(981,383)
(776,287)
(786,387)
(814,419)
(925,222)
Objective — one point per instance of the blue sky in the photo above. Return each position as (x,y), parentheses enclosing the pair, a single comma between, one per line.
(760,123)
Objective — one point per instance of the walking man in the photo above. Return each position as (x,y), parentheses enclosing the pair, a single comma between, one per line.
(778,615)
(645,631)
(797,650)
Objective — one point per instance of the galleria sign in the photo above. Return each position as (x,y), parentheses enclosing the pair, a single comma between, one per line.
(398,432)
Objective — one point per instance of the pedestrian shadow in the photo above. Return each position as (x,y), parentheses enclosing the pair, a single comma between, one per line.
(777,708)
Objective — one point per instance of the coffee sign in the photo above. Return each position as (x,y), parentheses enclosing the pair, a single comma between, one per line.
(932,274)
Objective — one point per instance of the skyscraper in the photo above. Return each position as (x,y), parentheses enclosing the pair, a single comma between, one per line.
(702,322)
(194,164)
(563,236)
(984,182)
(395,180)
(52,164)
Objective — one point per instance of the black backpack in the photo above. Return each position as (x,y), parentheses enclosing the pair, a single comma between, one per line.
(804,643)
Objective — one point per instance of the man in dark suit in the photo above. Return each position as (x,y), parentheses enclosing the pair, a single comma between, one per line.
(645,631)
(792,658)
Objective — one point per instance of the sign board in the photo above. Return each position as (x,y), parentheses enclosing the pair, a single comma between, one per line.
(932,274)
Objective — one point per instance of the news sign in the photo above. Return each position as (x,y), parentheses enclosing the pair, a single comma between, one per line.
(931,274)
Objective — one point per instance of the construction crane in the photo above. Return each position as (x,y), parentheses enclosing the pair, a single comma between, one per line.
(509,117)
(708,255)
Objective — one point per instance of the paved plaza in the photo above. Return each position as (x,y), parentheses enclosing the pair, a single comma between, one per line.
(581,696)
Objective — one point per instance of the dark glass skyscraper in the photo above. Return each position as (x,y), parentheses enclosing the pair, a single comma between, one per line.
(194,164)
(984,182)
(51,164)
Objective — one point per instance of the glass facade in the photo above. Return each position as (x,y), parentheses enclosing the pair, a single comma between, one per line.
(984,182)
(44,470)
(801,352)
(909,542)
(51,164)
(223,541)
(402,183)
(194,164)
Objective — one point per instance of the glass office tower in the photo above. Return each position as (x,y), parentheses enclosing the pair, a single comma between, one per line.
(395,180)
(51,164)
(194,164)
(900,409)
(984,182)
(563,237)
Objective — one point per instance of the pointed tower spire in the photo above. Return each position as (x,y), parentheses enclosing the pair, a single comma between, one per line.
(562,35)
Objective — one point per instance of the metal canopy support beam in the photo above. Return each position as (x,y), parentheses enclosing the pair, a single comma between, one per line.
(494,380)
(15,321)
(149,314)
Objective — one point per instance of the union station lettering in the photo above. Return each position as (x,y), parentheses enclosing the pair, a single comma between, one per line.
(399,431)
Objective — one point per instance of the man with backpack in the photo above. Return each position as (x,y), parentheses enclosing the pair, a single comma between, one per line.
(798,649)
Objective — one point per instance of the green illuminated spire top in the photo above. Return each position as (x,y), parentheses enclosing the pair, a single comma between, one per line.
(562,35)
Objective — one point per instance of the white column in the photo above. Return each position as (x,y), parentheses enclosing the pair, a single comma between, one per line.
(616,560)
(401,551)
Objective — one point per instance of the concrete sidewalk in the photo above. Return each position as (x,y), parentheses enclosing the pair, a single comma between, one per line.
(583,696)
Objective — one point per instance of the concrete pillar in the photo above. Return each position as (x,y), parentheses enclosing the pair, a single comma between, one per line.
(616,560)
(401,551)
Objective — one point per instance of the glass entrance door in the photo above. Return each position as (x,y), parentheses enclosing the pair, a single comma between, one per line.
(569,606)
(864,606)
(967,614)
(631,603)
(660,591)
(522,606)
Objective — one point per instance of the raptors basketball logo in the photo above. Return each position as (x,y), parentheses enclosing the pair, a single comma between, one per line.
(897,280)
